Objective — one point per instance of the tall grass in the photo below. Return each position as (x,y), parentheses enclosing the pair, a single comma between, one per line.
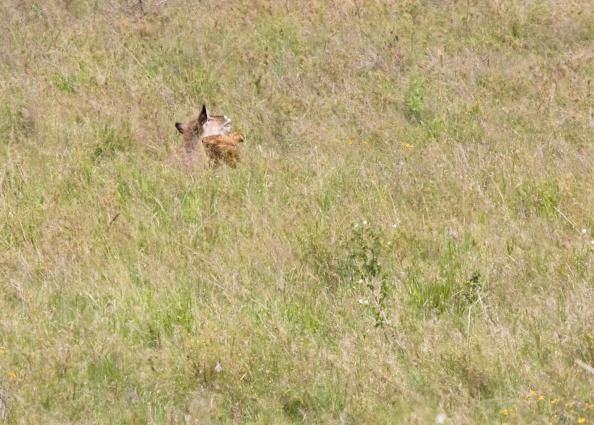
(411,231)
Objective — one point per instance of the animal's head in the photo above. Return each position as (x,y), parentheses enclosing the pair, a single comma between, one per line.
(205,125)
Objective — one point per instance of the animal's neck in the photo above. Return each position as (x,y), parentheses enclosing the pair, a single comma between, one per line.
(195,148)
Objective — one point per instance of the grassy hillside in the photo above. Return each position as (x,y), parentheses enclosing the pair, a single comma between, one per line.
(411,231)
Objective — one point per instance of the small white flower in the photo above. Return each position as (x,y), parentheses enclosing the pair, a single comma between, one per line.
(364,222)
(218,368)
(394,226)
(593,242)
(584,231)
(363,301)
(360,281)
(440,418)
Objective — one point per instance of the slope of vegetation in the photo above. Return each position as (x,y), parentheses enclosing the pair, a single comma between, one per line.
(410,234)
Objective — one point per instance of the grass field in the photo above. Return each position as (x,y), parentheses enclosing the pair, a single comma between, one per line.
(410,233)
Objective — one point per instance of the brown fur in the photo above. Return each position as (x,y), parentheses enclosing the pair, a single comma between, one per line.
(193,153)
(223,148)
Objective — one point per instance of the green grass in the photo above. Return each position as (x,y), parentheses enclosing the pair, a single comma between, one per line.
(411,230)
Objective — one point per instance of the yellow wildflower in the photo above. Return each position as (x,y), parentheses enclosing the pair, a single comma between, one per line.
(12,375)
(350,142)
(364,142)
(541,397)
(581,420)
(531,393)
(505,412)
(555,401)
(407,145)
(591,406)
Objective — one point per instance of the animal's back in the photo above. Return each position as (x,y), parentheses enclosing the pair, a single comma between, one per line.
(223,148)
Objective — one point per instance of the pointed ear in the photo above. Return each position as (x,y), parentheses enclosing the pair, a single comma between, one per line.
(180,127)
(203,115)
